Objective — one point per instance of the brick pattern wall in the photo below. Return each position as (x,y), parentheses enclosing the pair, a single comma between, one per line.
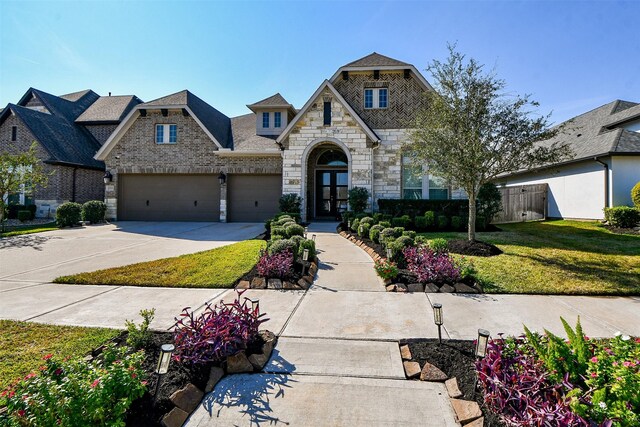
(101,132)
(194,153)
(405,97)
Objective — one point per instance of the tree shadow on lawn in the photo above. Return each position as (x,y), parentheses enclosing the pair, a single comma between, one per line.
(251,393)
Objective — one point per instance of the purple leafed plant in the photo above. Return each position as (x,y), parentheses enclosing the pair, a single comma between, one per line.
(217,332)
(430,266)
(517,387)
(278,265)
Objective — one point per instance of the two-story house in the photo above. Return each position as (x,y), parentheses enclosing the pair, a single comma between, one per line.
(178,158)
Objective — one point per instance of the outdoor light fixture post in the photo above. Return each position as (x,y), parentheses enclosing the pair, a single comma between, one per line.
(481,343)
(255,305)
(437,319)
(313,237)
(305,260)
(166,350)
(306,230)
(389,253)
(107,178)
(349,225)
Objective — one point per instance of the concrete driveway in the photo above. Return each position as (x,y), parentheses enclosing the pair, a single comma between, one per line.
(40,258)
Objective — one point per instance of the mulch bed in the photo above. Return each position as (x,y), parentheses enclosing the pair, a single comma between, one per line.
(456,359)
(475,248)
(620,230)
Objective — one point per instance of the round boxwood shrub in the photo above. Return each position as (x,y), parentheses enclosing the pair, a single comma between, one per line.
(438,245)
(430,219)
(622,216)
(635,195)
(68,214)
(374,233)
(284,220)
(367,220)
(294,230)
(307,244)
(355,224)
(397,246)
(94,211)
(385,224)
(278,231)
(24,215)
(363,229)
(387,234)
(442,222)
(397,231)
(456,222)
(410,233)
(281,245)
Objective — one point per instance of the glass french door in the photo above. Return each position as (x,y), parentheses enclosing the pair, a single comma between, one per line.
(332,193)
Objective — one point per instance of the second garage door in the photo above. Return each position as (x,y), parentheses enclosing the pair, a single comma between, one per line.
(143,197)
(253,198)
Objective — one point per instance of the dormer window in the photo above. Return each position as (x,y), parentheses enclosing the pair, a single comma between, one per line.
(277,119)
(166,134)
(265,120)
(376,98)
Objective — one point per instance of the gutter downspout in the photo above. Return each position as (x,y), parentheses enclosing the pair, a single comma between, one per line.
(606,181)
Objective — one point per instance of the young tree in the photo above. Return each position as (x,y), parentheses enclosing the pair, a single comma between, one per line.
(19,172)
(471,131)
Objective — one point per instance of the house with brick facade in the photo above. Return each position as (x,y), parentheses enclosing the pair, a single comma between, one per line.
(178,158)
(68,130)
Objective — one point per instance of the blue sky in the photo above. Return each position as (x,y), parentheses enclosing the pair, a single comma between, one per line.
(572,56)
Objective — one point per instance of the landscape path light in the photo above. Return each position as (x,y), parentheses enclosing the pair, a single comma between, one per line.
(313,237)
(255,305)
(389,254)
(166,350)
(305,260)
(481,343)
(437,319)
(306,230)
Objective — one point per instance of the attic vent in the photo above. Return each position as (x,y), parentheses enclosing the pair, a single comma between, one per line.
(345,75)
(376,74)
(407,73)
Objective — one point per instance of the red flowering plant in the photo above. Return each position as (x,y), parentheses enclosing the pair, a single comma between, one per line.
(386,269)
(76,392)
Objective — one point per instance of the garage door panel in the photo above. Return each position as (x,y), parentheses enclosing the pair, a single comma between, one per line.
(253,198)
(169,197)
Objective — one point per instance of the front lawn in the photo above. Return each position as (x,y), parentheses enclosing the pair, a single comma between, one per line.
(28,229)
(558,257)
(23,345)
(216,268)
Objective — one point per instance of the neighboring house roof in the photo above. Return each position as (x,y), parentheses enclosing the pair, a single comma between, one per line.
(216,123)
(62,107)
(65,142)
(245,139)
(375,60)
(274,101)
(327,84)
(74,96)
(108,109)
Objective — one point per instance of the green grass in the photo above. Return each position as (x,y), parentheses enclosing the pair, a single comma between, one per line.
(216,268)
(28,229)
(558,257)
(23,345)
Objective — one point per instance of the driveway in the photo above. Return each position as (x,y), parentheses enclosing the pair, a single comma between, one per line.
(40,258)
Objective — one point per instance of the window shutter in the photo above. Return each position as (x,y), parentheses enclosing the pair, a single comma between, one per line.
(327,113)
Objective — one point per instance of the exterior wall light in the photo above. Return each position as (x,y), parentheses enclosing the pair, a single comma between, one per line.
(222,178)
(437,319)
(481,343)
(107,178)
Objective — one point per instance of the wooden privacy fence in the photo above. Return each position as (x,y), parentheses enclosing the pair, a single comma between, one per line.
(523,203)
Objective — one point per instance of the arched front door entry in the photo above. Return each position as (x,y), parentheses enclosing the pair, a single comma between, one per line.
(329,179)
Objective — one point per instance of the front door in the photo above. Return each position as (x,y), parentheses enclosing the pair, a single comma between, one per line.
(332,193)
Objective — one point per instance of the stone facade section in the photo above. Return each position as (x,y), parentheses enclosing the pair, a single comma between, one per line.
(101,132)
(194,153)
(406,96)
(387,164)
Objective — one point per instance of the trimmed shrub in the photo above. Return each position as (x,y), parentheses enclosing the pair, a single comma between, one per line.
(377,217)
(430,219)
(363,229)
(397,247)
(293,215)
(285,219)
(385,224)
(421,240)
(374,233)
(635,195)
(12,210)
(290,203)
(24,216)
(386,235)
(438,245)
(68,214)
(367,220)
(94,211)
(278,232)
(307,244)
(294,230)
(415,207)
(442,222)
(358,197)
(421,222)
(456,222)
(267,225)
(622,216)
(410,233)
(355,224)
(403,221)
(397,231)
(282,245)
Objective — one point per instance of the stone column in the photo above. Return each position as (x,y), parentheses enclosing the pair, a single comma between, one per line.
(223,202)
(111,197)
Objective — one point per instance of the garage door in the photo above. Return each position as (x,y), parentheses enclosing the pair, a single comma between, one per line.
(253,198)
(168,197)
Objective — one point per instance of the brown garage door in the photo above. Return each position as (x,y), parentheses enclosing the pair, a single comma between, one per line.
(253,198)
(168,197)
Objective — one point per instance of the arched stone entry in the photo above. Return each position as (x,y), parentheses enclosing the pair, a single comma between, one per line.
(327,180)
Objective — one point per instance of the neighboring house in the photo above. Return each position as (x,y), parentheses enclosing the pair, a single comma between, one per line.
(178,158)
(64,142)
(604,164)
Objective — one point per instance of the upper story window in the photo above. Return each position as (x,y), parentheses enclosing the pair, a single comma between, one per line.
(265,120)
(277,119)
(376,98)
(166,134)
(14,133)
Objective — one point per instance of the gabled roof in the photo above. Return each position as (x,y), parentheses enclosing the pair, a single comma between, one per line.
(273,101)
(376,60)
(74,96)
(62,107)
(217,124)
(109,109)
(245,138)
(327,84)
(65,142)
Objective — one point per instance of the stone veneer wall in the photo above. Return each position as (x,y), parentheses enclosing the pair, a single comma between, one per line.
(387,164)
(194,153)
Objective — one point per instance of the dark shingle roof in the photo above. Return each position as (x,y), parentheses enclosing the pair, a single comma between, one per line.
(376,60)
(61,107)
(65,141)
(109,109)
(216,123)
(245,138)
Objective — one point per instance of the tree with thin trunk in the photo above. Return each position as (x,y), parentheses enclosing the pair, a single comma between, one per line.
(471,132)
(21,172)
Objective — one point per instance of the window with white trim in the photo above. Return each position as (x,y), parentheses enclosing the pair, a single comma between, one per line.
(277,119)
(166,134)
(265,120)
(376,98)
